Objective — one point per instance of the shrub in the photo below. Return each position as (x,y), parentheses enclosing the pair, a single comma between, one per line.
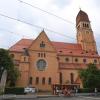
(14,90)
(86,90)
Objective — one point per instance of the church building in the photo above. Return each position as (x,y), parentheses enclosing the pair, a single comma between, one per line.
(42,62)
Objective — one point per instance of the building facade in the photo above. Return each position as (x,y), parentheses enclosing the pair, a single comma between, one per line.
(43,63)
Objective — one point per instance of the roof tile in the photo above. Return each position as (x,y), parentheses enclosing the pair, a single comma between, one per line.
(62,48)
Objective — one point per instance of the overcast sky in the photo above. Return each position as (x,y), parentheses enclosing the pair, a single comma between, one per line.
(66,31)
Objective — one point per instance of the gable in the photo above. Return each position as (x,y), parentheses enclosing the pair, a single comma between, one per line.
(42,42)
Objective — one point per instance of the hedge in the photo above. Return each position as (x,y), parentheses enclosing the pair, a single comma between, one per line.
(20,90)
(87,90)
(14,90)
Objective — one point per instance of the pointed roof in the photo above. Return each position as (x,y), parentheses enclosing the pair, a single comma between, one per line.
(20,45)
(42,32)
(42,39)
(82,16)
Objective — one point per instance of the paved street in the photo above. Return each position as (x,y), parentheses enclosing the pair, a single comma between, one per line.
(49,97)
(64,98)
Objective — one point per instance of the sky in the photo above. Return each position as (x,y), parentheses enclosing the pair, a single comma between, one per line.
(56,29)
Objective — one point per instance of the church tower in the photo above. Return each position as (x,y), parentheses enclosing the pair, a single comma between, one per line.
(85,35)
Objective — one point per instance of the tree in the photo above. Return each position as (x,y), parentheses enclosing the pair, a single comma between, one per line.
(6,62)
(90,77)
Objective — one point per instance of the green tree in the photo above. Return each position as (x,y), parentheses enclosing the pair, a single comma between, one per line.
(6,62)
(90,77)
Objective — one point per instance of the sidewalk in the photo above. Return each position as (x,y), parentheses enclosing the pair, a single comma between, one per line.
(30,96)
(41,95)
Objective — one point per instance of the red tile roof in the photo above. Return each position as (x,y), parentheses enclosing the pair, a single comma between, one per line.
(61,48)
(71,46)
(72,49)
(23,43)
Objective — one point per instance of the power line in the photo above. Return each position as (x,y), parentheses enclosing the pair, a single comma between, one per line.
(46,12)
(40,27)
(14,33)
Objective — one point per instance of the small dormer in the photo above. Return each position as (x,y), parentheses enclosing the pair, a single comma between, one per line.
(25,55)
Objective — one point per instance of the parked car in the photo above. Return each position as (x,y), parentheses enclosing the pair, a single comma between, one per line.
(29,90)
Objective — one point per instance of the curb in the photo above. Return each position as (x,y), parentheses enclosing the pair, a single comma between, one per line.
(11,96)
(46,96)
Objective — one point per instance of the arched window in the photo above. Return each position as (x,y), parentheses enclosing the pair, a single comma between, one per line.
(30,81)
(87,25)
(84,60)
(76,60)
(39,54)
(41,64)
(49,80)
(44,55)
(71,78)
(43,80)
(37,80)
(60,78)
(67,59)
(95,61)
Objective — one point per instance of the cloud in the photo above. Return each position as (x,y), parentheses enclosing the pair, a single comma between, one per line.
(96,3)
(62,3)
(7,39)
(67,9)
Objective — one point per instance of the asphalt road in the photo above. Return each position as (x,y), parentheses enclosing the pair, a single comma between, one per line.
(64,98)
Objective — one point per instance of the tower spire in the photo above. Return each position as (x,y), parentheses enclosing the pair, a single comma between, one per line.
(79,8)
(85,35)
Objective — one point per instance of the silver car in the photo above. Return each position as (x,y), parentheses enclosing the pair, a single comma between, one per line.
(29,90)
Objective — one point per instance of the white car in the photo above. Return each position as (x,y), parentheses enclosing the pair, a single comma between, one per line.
(29,90)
